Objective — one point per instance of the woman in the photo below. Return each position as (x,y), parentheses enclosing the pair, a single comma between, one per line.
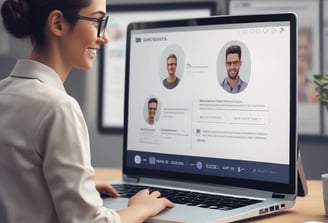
(45,169)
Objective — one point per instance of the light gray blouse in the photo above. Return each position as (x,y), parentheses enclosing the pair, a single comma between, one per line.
(45,169)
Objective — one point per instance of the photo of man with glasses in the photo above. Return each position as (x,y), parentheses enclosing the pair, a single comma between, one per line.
(152,109)
(172,80)
(232,83)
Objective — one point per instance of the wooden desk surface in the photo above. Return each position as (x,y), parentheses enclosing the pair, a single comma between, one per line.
(308,208)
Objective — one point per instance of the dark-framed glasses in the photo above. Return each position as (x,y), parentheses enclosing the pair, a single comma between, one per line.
(235,63)
(102,23)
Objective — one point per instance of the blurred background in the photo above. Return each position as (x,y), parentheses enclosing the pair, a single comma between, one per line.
(106,138)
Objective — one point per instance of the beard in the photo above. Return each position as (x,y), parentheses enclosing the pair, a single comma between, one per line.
(233,77)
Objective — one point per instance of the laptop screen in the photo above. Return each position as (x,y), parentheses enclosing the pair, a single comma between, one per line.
(112,56)
(213,99)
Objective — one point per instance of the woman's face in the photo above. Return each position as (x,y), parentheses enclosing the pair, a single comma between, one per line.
(80,46)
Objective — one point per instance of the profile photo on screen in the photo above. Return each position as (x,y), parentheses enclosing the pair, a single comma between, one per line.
(234,77)
(172,66)
(152,108)
(171,81)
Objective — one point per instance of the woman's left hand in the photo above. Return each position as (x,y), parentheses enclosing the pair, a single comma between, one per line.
(108,188)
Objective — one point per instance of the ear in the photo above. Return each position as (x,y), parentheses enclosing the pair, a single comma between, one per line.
(56,22)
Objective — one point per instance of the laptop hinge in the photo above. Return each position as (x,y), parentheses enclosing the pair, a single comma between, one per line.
(282,196)
(131,179)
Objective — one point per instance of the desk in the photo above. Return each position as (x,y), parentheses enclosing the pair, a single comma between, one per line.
(308,208)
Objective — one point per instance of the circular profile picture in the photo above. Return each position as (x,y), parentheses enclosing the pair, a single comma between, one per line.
(152,110)
(234,67)
(172,66)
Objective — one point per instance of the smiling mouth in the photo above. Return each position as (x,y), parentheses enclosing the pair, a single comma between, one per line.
(92,51)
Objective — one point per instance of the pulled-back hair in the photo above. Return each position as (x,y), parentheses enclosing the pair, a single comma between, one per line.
(27,18)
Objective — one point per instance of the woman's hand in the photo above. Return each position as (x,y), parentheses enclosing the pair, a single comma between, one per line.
(144,205)
(103,186)
(150,201)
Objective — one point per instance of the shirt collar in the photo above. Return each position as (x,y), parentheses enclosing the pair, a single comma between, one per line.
(236,89)
(26,68)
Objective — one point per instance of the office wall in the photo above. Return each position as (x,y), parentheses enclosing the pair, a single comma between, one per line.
(106,149)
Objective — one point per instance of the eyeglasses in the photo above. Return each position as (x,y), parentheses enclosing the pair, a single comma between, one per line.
(235,62)
(102,23)
(171,64)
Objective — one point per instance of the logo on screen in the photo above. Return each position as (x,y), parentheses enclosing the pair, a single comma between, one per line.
(138,40)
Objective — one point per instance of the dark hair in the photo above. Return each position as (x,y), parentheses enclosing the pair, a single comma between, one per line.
(234,49)
(152,100)
(27,18)
(172,56)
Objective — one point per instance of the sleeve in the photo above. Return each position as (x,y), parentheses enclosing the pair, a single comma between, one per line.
(67,167)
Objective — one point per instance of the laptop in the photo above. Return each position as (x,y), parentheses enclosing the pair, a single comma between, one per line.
(206,124)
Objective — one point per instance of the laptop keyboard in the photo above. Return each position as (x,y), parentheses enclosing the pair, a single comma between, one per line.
(190,198)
